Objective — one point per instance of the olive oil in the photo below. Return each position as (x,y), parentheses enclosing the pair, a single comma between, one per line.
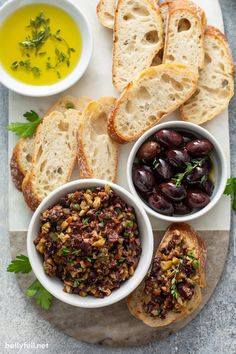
(40,44)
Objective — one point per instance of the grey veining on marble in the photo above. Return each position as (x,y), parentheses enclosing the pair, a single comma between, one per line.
(212,331)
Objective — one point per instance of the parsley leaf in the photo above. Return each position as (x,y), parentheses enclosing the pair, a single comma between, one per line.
(42,296)
(25,130)
(189,168)
(230,189)
(20,264)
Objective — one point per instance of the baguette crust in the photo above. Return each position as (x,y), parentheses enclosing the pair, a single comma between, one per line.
(92,114)
(134,301)
(119,79)
(212,91)
(17,170)
(174,71)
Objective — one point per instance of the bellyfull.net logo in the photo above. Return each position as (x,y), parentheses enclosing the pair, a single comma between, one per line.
(26,345)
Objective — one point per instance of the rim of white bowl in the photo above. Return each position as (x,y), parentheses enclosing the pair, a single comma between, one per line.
(128,286)
(73,10)
(197,130)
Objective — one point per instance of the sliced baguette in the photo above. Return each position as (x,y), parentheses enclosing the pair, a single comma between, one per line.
(23,152)
(216,81)
(106,12)
(138,37)
(69,102)
(156,92)
(185,34)
(197,246)
(21,160)
(97,154)
(54,156)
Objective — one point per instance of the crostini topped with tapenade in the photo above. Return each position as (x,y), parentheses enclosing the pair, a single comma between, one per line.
(172,288)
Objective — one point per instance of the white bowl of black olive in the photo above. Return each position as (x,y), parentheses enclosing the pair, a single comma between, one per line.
(177,170)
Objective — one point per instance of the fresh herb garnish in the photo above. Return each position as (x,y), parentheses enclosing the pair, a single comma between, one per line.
(65,251)
(174,290)
(230,189)
(25,130)
(21,264)
(178,178)
(41,295)
(33,43)
(85,221)
(26,65)
(155,164)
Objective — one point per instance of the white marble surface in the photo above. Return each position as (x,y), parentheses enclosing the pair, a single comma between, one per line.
(214,329)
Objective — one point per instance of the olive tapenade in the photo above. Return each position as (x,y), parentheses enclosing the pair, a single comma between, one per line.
(90,240)
(172,279)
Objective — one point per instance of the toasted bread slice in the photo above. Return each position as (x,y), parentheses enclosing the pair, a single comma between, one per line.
(216,81)
(97,154)
(185,34)
(135,301)
(156,92)
(54,156)
(23,152)
(138,37)
(106,12)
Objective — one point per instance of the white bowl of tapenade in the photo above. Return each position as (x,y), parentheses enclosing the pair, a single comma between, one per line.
(90,243)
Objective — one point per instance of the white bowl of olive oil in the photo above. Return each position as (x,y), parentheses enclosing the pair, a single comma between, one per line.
(46,46)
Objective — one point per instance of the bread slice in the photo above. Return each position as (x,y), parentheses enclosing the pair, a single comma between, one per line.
(97,154)
(54,156)
(216,81)
(156,92)
(23,152)
(69,102)
(138,37)
(106,12)
(21,160)
(136,299)
(164,9)
(185,34)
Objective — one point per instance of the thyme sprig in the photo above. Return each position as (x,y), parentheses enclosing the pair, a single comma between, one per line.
(33,43)
(190,166)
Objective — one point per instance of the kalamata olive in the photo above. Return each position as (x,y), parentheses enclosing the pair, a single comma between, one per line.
(148,150)
(187,137)
(198,173)
(208,187)
(199,147)
(170,190)
(143,178)
(181,208)
(196,198)
(160,204)
(178,157)
(169,138)
(164,169)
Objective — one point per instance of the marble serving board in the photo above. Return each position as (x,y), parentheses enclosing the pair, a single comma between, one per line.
(97,82)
